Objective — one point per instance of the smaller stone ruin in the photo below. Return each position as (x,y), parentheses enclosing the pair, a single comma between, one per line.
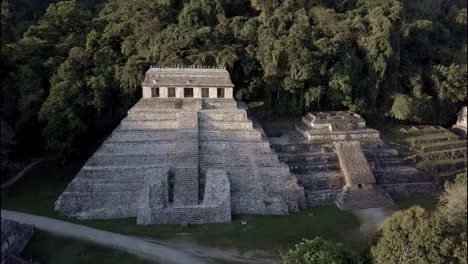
(14,239)
(339,125)
(460,128)
(338,160)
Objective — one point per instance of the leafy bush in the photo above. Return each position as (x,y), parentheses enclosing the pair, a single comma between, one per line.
(317,251)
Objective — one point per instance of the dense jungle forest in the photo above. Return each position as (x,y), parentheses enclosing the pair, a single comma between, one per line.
(71,69)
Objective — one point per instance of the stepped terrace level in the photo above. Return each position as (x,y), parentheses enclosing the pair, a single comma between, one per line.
(183,161)
(433,149)
(187,82)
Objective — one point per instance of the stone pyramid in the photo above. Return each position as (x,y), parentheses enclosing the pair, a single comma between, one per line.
(185,161)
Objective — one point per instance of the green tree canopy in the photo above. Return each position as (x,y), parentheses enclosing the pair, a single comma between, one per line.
(416,236)
(317,251)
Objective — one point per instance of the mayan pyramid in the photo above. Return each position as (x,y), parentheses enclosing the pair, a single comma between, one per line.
(338,159)
(186,153)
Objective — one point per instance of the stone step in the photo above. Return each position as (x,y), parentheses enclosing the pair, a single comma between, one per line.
(152,116)
(389,162)
(99,186)
(272,171)
(450,166)
(148,125)
(235,147)
(302,158)
(250,177)
(322,181)
(403,174)
(226,116)
(458,153)
(162,160)
(311,167)
(424,139)
(148,148)
(154,104)
(321,197)
(77,202)
(408,189)
(220,125)
(363,199)
(121,173)
(238,160)
(380,153)
(446,145)
(343,135)
(232,136)
(423,130)
(297,148)
(219,104)
(142,136)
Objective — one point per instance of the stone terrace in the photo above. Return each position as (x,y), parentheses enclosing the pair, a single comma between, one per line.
(434,149)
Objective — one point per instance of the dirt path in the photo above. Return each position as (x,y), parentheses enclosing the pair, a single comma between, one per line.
(20,174)
(153,251)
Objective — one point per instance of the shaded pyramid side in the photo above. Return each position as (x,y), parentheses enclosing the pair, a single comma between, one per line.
(260,183)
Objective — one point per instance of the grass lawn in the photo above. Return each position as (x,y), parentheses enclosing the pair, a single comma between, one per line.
(38,190)
(51,249)
(425,201)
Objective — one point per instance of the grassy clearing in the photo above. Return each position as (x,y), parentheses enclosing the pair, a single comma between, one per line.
(51,249)
(39,189)
(426,201)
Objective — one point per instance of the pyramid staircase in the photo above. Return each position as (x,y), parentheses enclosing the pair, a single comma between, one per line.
(358,199)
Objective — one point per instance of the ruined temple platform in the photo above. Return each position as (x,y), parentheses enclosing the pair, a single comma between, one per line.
(308,147)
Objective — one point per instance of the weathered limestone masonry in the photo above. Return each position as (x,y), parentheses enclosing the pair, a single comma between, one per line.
(460,128)
(309,153)
(183,160)
(14,237)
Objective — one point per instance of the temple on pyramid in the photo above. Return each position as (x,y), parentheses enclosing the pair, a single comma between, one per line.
(186,153)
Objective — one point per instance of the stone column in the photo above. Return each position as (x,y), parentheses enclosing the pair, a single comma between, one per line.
(163,92)
(179,92)
(197,92)
(228,93)
(146,92)
(213,92)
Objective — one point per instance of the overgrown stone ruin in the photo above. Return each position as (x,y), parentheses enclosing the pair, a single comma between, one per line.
(186,153)
(460,128)
(337,159)
(435,150)
(14,237)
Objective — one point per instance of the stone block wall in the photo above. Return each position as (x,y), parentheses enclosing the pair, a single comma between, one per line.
(154,208)
(14,238)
